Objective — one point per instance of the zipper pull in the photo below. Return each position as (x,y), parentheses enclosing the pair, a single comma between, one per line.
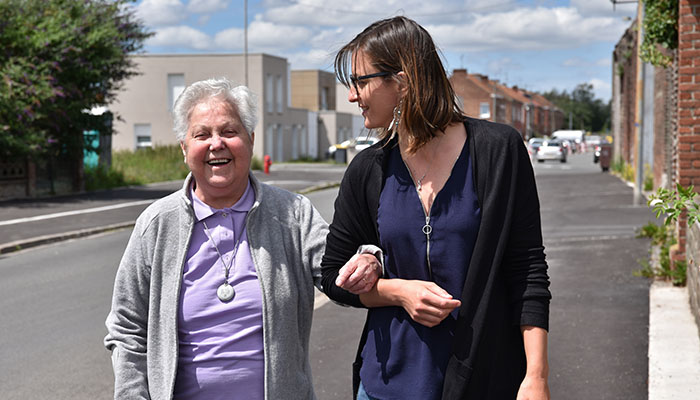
(427,229)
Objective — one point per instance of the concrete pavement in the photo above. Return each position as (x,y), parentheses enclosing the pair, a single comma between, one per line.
(674,342)
(674,345)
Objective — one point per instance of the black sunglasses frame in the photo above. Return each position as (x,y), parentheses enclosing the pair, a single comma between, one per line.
(354,79)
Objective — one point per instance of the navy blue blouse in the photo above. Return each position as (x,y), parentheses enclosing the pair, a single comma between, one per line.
(403,359)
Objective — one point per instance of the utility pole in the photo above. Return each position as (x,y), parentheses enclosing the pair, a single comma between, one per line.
(639,109)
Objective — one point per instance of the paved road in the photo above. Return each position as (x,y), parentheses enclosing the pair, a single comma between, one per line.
(55,299)
(48,218)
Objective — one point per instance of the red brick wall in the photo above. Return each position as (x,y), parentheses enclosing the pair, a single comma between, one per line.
(688,166)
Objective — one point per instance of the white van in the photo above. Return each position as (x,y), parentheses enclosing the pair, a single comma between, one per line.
(574,136)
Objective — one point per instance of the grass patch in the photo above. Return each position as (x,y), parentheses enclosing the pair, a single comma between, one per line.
(623,169)
(159,164)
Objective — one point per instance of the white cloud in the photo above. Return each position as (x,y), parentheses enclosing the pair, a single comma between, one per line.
(266,36)
(601,89)
(573,62)
(581,63)
(156,13)
(230,39)
(527,29)
(604,62)
(181,36)
(312,59)
(206,6)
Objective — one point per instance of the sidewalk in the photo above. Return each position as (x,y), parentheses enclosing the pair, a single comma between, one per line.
(674,345)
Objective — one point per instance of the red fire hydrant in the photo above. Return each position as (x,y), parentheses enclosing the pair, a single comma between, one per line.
(267,163)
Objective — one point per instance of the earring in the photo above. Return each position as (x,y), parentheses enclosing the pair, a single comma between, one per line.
(394,125)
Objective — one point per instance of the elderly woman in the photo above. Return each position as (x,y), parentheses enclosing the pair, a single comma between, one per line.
(214,295)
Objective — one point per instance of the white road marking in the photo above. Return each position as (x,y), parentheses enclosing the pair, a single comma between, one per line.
(75,212)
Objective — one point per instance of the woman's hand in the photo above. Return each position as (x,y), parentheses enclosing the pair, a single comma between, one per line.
(426,302)
(533,388)
(359,274)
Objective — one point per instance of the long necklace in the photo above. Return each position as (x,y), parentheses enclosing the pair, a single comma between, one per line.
(419,181)
(225,292)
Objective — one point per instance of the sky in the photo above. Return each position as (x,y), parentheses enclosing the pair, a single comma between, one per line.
(538,45)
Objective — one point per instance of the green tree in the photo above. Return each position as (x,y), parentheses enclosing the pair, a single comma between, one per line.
(59,58)
(586,111)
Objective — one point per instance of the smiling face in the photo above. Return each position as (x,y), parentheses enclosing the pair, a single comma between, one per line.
(376,96)
(218,151)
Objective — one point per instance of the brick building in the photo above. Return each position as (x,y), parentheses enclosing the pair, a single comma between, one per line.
(530,113)
(656,124)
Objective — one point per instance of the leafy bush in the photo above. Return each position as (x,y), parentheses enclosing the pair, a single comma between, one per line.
(662,236)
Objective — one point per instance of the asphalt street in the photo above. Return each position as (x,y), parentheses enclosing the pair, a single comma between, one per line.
(28,222)
(55,297)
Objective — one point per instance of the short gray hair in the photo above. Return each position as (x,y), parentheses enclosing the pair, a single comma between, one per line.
(242,99)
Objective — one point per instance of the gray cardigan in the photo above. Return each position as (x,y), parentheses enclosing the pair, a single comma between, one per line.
(286,236)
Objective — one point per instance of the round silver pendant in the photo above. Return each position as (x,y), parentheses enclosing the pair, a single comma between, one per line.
(225,292)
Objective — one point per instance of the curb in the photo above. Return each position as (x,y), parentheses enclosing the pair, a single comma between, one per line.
(18,245)
(23,244)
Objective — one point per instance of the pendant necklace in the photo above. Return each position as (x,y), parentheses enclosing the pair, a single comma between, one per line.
(225,292)
(419,181)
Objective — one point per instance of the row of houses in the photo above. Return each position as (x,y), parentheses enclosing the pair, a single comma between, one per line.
(528,112)
(301,113)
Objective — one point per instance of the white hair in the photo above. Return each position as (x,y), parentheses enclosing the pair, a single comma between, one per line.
(242,99)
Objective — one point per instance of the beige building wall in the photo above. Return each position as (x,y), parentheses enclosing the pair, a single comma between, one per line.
(313,90)
(145,102)
(341,100)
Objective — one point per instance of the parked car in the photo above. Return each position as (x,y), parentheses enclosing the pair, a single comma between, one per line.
(533,144)
(552,150)
(359,143)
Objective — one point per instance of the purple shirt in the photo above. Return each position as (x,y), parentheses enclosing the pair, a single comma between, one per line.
(221,344)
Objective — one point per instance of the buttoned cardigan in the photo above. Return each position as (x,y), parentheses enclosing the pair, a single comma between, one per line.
(506,286)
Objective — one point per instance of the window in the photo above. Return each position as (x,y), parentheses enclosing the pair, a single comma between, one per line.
(269,141)
(176,84)
(324,98)
(280,143)
(304,145)
(516,112)
(280,95)
(295,142)
(269,94)
(143,136)
(484,110)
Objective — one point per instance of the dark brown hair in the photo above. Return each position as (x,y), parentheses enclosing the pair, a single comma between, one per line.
(400,44)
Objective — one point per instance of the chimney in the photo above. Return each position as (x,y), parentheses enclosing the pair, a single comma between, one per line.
(460,72)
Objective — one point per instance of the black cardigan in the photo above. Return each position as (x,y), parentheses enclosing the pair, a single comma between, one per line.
(507,282)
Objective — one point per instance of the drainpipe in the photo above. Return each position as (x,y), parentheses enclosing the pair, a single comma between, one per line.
(639,107)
